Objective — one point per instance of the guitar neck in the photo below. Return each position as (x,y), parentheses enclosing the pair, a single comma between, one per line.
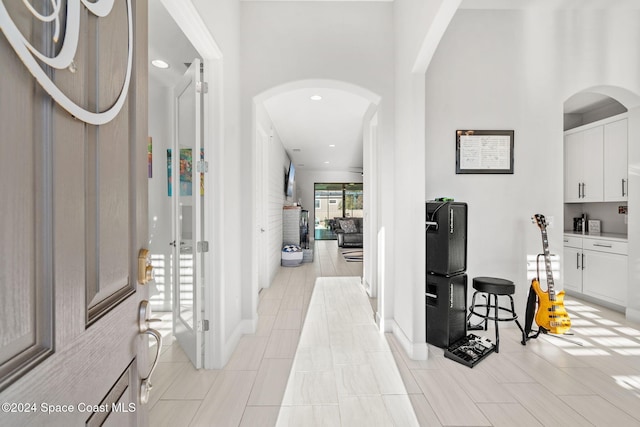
(547,264)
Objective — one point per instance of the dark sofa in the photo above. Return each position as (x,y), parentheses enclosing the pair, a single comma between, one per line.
(349,231)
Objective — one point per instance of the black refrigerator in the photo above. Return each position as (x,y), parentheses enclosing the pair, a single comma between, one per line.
(446,265)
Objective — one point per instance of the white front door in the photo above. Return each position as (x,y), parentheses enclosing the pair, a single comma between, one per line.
(74,217)
(187,195)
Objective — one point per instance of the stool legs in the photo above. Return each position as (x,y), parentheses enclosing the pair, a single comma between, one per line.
(496,314)
(495,319)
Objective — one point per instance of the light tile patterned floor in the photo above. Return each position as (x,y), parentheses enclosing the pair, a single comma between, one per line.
(355,379)
(549,382)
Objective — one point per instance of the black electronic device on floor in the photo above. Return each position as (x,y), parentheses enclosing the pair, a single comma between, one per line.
(446,309)
(470,350)
(446,226)
(446,263)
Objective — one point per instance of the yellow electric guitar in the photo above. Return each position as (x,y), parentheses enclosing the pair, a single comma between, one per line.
(551,314)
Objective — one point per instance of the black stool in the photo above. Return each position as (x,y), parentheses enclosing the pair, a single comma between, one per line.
(494,287)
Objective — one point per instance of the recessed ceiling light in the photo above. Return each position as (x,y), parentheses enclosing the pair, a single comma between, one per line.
(316,97)
(326,163)
(159,63)
(332,145)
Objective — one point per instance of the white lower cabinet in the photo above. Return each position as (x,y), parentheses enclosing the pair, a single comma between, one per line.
(605,276)
(597,268)
(572,269)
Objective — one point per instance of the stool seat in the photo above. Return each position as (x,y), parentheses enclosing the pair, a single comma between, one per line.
(494,285)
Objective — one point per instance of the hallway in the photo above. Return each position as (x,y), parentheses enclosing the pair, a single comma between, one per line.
(249,390)
(549,382)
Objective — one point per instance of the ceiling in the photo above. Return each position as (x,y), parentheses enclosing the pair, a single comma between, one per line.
(549,4)
(308,128)
(325,134)
(167,42)
(584,102)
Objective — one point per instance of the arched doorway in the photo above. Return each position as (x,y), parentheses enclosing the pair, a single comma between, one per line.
(589,108)
(359,107)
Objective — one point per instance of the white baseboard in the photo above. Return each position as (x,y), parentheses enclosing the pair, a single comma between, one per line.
(246,326)
(633,315)
(415,351)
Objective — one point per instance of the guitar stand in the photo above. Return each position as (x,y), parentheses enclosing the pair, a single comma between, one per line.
(527,335)
(544,331)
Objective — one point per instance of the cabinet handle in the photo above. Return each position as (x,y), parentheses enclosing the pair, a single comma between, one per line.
(577,261)
(624,181)
(583,261)
(600,245)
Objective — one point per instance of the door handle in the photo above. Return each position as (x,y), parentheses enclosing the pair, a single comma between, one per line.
(577,261)
(143,326)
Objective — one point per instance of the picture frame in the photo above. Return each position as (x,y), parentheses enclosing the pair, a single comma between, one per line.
(484,151)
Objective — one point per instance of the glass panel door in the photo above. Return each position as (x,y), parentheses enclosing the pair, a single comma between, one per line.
(187,201)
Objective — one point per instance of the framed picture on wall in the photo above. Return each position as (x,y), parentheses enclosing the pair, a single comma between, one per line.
(484,151)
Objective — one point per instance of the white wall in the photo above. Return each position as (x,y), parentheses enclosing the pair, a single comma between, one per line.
(514,70)
(232,208)
(418,26)
(352,42)
(277,166)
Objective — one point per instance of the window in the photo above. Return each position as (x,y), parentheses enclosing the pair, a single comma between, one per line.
(342,200)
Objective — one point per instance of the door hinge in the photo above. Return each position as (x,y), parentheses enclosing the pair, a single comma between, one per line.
(202,87)
(203,326)
(203,166)
(203,246)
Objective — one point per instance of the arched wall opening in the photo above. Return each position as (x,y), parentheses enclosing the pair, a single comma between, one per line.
(599,104)
(266,236)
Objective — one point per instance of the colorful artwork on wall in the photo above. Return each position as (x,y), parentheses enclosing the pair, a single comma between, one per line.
(202,173)
(150,157)
(186,171)
(169,175)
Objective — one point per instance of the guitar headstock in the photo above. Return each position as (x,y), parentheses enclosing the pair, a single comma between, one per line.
(540,221)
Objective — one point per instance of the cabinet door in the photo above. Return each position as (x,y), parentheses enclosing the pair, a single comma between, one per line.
(605,276)
(573,167)
(615,161)
(572,269)
(592,179)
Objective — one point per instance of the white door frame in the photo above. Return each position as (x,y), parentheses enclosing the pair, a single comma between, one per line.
(188,19)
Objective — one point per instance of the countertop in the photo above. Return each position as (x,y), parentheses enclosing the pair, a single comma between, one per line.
(604,236)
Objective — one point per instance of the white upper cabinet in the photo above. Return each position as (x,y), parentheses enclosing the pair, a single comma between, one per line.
(615,161)
(584,166)
(595,162)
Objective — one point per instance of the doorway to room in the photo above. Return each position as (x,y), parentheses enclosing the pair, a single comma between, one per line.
(335,200)
(182,127)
